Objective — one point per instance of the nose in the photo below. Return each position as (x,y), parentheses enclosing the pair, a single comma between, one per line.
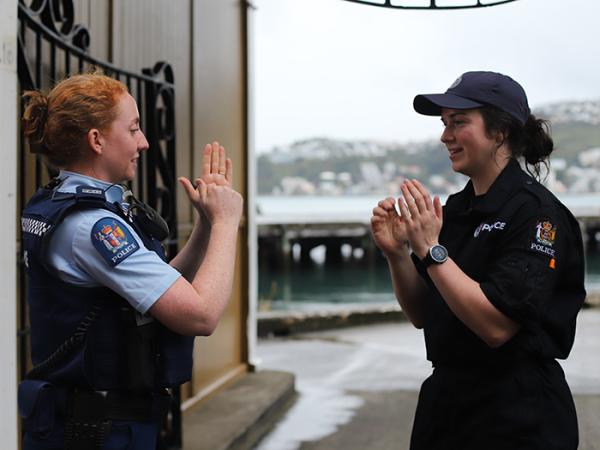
(143,142)
(446,135)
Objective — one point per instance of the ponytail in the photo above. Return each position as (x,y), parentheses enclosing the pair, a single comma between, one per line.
(35,118)
(532,141)
(56,125)
(536,141)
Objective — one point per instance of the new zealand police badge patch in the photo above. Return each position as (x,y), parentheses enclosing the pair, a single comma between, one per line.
(113,240)
(545,236)
(546,233)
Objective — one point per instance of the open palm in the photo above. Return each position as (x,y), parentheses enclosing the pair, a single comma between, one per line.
(216,169)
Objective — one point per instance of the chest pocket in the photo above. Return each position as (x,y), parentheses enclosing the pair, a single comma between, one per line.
(473,242)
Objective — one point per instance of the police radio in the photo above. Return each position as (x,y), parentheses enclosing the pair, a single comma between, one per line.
(147,218)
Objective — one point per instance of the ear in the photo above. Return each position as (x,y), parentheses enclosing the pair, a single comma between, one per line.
(500,138)
(95,141)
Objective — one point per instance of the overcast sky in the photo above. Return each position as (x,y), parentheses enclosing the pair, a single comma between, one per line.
(331,68)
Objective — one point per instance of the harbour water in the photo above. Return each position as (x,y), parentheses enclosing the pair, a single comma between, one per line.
(319,285)
(322,286)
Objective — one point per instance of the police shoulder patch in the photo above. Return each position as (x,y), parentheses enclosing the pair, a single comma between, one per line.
(113,240)
(544,238)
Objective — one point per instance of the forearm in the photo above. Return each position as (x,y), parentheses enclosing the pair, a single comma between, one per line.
(190,257)
(409,287)
(464,297)
(214,279)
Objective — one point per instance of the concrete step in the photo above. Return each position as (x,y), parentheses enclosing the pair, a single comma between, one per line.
(240,415)
(284,323)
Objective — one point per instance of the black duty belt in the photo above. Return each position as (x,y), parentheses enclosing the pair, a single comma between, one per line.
(90,414)
(118,405)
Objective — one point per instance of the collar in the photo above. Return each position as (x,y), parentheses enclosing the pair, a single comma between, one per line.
(504,186)
(71,180)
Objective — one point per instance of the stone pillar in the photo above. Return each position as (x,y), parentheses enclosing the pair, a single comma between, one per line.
(8,247)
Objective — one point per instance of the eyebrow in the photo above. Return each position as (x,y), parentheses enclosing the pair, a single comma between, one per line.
(453,115)
(135,121)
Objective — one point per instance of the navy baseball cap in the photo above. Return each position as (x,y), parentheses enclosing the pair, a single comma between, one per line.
(477,89)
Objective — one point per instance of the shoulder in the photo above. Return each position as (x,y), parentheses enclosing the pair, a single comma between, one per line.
(84,220)
(541,212)
(80,227)
(546,201)
(532,196)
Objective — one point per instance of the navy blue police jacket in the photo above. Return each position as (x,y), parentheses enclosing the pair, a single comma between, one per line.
(90,337)
(524,248)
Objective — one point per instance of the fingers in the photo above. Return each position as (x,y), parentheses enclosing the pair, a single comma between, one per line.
(424,193)
(415,198)
(437,207)
(215,157)
(215,164)
(381,212)
(388,204)
(202,189)
(228,170)
(376,223)
(222,161)
(408,201)
(187,185)
(206,160)
(404,210)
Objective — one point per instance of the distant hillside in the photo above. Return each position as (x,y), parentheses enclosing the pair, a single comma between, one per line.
(575,128)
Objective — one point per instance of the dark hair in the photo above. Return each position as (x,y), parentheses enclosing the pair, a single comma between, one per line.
(532,141)
(56,124)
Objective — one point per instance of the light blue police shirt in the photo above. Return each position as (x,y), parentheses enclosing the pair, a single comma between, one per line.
(141,278)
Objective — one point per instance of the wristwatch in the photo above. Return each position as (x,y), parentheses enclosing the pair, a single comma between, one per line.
(436,255)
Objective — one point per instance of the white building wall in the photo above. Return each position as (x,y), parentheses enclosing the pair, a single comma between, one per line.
(8,191)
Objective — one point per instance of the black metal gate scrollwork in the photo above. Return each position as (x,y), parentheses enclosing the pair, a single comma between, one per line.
(50,47)
(431,4)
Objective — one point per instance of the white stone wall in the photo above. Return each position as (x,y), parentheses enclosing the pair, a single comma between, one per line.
(8,191)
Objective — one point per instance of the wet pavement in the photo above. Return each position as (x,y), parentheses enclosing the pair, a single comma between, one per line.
(358,386)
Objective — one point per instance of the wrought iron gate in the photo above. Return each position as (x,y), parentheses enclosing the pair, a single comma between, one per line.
(432,4)
(50,47)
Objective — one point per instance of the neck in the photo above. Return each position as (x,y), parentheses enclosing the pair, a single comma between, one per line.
(484,180)
(88,170)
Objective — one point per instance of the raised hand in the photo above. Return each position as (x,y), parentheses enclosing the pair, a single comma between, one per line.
(216,167)
(389,229)
(423,216)
(220,204)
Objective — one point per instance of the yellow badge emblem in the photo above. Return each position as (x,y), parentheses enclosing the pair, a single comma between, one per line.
(546,233)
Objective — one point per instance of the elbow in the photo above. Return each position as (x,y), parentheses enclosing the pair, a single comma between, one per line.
(497,336)
(497,339)
(417,324)
(494,342)
(193,326)
(203,327)
(414,319)
(208,329)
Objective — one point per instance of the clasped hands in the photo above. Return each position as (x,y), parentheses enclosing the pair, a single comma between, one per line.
(213,197)
(416,222)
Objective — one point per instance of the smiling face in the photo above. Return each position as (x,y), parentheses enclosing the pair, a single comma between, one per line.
(471,150)
(122,143)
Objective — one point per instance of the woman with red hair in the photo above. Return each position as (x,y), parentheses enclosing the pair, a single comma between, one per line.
(112,323)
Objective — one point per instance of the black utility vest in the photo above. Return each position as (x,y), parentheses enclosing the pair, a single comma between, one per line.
(91,337)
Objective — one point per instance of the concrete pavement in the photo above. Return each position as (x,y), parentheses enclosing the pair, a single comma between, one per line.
(358,386)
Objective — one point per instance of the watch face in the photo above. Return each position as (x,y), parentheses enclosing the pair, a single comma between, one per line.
(439,253)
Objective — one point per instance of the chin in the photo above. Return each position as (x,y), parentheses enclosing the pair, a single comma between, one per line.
(457,167)
(130,176)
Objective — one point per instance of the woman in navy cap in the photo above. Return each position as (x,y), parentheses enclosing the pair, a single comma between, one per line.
(495,277)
